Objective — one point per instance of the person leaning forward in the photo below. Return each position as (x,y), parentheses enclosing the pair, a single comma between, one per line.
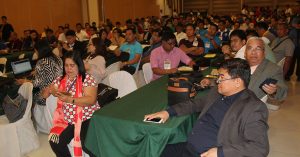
(232,122)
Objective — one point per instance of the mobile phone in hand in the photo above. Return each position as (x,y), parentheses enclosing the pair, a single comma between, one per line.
(268,81)
(154,120)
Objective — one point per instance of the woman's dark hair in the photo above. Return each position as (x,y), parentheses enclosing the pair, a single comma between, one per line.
(76,57)
(44,50)
(37,35)
(100,47)
(238,68)
(101,32)
(119,31)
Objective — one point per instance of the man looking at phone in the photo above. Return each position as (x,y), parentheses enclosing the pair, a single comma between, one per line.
(232,122)
(261,69)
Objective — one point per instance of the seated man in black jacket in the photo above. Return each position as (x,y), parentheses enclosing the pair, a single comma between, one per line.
(232,122)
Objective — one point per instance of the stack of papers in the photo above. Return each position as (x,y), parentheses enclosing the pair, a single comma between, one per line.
(211,55)
(144,45)
(112,47)
(185,68)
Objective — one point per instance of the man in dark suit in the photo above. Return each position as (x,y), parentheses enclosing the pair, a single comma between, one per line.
(232,122)
(73,44)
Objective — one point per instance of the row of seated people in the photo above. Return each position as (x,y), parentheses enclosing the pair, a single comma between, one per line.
(164,59)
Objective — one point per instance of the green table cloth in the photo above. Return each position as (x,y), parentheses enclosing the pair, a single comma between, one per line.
(118,130)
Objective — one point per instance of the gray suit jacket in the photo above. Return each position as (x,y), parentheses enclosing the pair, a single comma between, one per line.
(243,131)
(265,70)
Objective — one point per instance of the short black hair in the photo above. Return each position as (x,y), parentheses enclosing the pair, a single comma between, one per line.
(212,24)
(166,36)
(48,30)
(262,25)
(132,29)
(239,33)
(70,33)
(3,17)
(78,24)
(76,57)
(252,33)
(191,25)
(180,24)
(200,21)
(158,31)
(94,28)
(238,68)
(222,21)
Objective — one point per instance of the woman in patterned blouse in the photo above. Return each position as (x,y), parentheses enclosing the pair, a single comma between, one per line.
(77,92)
(48,68)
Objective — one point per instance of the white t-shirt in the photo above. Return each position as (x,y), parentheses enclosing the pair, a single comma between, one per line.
(62,37)
(241,53)
(82,35)
(180,36)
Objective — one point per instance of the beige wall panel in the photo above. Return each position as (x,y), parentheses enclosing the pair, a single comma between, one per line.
(117,10)
(37,14)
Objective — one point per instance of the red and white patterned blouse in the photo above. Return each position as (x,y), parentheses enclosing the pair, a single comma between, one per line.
(70,109)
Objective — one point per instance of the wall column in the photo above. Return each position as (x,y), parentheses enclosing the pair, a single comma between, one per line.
(85,12)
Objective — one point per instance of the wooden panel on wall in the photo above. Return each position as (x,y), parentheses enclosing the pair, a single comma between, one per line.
(37,14)
(117,10)
(264,3)
(292,3)
(202,5)
(226,7)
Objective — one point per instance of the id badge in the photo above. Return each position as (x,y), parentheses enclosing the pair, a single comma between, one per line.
(207,45)
(195,43)
(167,64)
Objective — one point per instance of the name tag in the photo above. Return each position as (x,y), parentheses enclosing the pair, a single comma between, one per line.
(207,45)
(195,43)
(167,64)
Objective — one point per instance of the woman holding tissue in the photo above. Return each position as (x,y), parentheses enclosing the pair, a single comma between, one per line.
(77,92)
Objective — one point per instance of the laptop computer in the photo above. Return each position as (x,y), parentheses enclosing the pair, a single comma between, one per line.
(21,68)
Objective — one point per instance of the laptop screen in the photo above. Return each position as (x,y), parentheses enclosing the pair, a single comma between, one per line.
(22,66)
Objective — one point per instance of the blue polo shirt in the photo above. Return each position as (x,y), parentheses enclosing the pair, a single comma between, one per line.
(208,44)
(132,49)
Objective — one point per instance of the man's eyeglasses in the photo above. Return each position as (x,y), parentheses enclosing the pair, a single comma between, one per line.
(219,80)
